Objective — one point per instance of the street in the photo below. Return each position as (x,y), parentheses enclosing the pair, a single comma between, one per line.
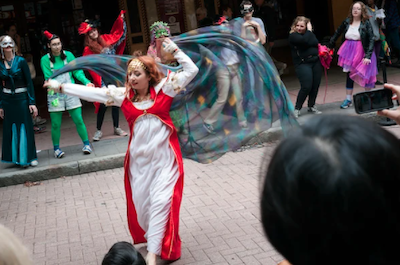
(75,220)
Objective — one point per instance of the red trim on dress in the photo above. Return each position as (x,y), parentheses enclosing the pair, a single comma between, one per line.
(171,245)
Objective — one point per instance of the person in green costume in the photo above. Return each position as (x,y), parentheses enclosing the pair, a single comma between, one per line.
(17,103)
(58,102)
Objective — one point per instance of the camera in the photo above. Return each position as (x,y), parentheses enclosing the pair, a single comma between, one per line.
(374,100)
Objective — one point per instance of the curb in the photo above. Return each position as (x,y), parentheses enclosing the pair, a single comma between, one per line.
(273,134)
(60,170)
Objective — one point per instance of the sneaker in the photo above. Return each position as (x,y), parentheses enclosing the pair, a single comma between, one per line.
(314,110)
(120,132)
(97,135)
(87,150)
(39,121)
(243,124)
(58,153)
(346,103)
(38,129)
(378,83)
(34,163)
(296,113)
(209,128)
(282,69)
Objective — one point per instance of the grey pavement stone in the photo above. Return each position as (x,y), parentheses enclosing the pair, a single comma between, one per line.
(75,220)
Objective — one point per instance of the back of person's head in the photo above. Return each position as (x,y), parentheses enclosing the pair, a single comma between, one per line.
(123,253)
(12,252)
(332,194)
(201,13)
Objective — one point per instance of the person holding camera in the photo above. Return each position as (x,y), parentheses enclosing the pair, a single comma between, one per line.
(392,114)
(330,194)
(304,47)
(356,54)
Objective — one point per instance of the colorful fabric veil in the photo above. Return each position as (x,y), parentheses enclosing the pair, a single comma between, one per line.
(265,99)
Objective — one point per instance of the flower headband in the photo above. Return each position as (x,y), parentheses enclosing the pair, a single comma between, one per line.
(135,64)
(159,29)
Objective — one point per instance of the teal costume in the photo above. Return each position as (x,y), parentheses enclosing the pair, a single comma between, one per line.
(16,94)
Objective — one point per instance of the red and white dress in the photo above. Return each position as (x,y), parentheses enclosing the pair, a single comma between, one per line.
(153,162)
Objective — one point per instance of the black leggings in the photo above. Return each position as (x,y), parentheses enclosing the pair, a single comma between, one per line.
(309,75)
(102,112)
(349,82)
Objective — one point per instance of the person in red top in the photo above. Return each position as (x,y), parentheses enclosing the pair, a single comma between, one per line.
(153,162)
(113,43)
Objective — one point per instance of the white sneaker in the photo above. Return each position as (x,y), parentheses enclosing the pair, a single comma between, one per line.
(120,132)
(243,124)
(34,163)
(87,150)
(58,153)
(296,113)
(314,110)
(97,136)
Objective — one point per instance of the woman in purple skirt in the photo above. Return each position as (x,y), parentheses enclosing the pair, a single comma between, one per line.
(356,54)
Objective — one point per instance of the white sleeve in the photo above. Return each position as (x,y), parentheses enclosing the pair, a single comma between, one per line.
(110,96)
(178,80)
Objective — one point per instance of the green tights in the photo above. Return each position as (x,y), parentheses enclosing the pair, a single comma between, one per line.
(76,115)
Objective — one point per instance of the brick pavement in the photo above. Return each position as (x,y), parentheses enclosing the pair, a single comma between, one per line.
(75,220)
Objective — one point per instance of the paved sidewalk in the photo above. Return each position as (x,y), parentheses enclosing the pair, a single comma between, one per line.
(109,152)
(75,220)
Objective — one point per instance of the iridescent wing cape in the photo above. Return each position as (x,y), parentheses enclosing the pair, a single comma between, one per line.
(258,91)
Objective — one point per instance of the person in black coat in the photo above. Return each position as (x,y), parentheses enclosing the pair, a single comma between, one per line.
(304,48)
(356,54)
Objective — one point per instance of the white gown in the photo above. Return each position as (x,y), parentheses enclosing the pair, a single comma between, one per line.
(153,169)
(153,175)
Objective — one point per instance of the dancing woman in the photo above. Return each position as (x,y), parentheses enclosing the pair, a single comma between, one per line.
(58,103)
(17,103)
(304,47)
(356,55)
(153,163)
(113,43)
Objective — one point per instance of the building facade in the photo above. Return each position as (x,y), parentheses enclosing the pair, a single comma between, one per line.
(64,16)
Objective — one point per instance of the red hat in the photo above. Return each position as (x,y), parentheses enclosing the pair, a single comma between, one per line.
(84,28)
(48,35)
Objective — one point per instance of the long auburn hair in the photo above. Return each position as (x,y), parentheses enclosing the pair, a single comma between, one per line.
(97,45)
(364,13)
(153,70)
(297,20)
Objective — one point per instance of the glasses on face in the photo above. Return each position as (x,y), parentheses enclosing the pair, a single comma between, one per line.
(197,15)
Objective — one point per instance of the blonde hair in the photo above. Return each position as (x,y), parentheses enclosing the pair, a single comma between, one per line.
(297,20)
(12,251)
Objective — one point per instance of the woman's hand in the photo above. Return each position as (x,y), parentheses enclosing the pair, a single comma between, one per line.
(392,114)
(309,26)
(2,113)
(169,46)
(53,85)
(33,110)
(366,61)
(90,85)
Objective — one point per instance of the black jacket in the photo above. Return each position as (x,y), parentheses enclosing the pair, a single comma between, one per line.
(366,33)
(304,47)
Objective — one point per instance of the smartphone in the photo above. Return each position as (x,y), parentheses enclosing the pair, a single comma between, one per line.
(374,100)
